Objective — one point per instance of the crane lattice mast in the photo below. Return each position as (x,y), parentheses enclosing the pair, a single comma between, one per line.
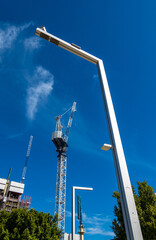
(60,142)
(26,160)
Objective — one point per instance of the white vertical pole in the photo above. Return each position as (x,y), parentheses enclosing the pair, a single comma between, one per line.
(73,206)
(131,220)
(73,212)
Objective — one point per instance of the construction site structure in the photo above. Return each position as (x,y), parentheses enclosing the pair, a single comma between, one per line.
(60,141)
(11,192)
(25,202)
(10,195)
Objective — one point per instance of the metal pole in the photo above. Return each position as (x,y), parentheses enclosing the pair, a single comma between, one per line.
(132,225)
(73,206)
(73,212)
(131,220)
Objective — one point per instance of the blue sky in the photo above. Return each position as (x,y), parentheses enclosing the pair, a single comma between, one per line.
(40,81)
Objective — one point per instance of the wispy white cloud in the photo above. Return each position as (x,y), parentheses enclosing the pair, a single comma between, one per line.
(97,225)
(68,213)
(9,33)
(15,135)
(40,81)
(15,42)
(50,200)
(43,84)
(98,230)
(32,43)
(95,219)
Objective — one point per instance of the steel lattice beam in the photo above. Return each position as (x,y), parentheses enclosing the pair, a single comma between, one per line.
(60,197)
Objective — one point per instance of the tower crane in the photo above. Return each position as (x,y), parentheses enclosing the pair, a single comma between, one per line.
(26,160)
(60,141)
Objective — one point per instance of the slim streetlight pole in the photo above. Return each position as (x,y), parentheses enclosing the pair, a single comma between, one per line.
(73,206)
(131,220)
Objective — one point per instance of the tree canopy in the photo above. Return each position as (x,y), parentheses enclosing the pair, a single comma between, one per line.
(146,206)
(28,225)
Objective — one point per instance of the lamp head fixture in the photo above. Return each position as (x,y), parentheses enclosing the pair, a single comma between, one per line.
(106,147)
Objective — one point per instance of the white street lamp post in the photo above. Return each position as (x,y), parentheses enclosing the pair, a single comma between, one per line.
(73,206)
(131,220)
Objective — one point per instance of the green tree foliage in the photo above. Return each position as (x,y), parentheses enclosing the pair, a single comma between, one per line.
(146,206)
(22,224)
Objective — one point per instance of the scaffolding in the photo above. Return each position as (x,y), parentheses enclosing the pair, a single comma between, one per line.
(12,198)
